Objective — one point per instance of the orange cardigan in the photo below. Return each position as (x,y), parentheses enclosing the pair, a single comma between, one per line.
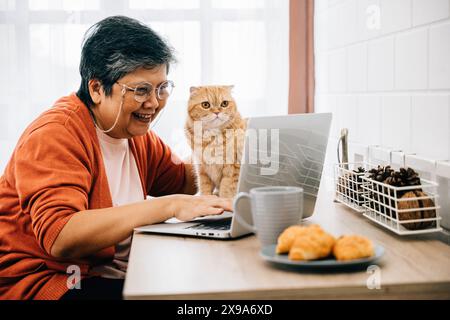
(55,171)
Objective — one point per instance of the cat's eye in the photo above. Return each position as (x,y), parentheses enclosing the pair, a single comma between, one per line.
(206,105)
(224,104)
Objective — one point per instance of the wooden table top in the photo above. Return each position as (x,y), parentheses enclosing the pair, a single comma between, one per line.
(176,267)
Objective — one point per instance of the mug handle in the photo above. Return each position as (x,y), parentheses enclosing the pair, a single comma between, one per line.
(236,214)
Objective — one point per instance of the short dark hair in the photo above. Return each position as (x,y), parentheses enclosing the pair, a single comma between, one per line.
(116,46)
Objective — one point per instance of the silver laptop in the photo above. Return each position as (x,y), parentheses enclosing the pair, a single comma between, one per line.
(278,151)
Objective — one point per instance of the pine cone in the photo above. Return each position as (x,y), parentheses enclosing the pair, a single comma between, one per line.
(349,185)
(380,173)
(357,186)
(403,178)
(359,170)
(412,177)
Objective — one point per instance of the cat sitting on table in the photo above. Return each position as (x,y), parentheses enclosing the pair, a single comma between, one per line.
(215,131)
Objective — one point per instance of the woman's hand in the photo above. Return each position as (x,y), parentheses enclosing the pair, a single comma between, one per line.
(186,207)
(89,231)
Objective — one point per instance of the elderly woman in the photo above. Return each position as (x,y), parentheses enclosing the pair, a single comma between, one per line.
(76,184)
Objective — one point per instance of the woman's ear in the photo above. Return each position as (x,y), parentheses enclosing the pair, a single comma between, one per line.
(95,90)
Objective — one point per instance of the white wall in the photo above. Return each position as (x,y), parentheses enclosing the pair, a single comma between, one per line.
(383,70)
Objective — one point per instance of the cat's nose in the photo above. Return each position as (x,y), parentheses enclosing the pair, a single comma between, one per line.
(216,112)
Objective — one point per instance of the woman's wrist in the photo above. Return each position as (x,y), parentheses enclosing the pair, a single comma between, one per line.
(170,204)
(156,210)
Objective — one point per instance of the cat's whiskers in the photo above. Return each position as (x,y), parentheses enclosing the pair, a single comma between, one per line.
(224,117)
(208,118)
(213,121)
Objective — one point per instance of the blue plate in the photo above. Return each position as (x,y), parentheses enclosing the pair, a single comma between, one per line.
(268,253)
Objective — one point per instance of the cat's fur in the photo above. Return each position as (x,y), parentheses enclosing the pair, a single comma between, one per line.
(222,137)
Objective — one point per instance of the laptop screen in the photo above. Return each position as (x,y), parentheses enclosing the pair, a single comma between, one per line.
(286,151)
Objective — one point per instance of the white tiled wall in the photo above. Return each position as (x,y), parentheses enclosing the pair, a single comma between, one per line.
(383,70)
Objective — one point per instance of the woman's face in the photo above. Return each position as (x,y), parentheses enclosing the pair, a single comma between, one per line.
(135,117)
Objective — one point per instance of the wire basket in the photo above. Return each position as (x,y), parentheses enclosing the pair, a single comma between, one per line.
(403,210)
(349,185)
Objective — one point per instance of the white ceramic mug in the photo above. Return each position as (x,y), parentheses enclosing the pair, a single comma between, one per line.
(273,210)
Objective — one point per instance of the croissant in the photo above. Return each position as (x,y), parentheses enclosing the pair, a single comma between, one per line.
(353,247)
(311,244)
(288,236)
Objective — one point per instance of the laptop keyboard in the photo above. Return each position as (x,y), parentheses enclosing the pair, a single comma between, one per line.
(222,224)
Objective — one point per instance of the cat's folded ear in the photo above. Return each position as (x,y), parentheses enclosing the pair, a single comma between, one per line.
(193,89)
(230,88)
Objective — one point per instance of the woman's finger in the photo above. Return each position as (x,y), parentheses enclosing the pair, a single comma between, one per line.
(224,203)
(213,211)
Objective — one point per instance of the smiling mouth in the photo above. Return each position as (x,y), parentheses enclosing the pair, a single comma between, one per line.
(143,117)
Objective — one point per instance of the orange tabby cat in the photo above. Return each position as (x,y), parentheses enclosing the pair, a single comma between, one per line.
(216,133)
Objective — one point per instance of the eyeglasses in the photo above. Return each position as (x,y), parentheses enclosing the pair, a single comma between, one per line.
(143,91)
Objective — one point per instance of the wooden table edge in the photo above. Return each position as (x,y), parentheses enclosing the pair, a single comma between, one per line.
(435,291)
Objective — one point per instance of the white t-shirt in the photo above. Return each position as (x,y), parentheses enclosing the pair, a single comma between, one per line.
(125,187)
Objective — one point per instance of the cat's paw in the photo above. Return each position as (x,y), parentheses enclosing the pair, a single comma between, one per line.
(227,193)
